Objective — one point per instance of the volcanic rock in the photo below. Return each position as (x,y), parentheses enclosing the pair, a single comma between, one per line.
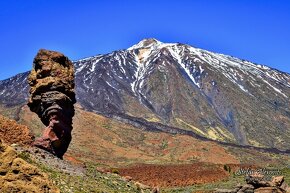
(285,187)
(269,190)
(246,188)
(256,183)
(51,98)
(13,133)
(278,180)
(257,180)
(16,175)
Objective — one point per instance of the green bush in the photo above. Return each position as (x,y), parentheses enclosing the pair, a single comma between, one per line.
(227,168)
(115,171)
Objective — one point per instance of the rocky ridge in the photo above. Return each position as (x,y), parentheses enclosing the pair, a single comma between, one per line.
(257,183)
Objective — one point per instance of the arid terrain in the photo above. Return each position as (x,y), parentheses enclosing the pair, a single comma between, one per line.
(154,159)
(157,115)
(176,175)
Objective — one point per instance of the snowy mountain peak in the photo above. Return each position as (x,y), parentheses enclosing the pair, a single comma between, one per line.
(198,62)
(214,95)
(146,43)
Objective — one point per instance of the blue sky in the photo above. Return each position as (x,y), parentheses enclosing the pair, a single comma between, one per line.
(256,30)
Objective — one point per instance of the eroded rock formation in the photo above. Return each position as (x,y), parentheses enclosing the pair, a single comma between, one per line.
(52,97)
(17,175)
(256,183)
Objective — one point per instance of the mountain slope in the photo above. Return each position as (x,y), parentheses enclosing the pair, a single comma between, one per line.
(214,95)
(108,141)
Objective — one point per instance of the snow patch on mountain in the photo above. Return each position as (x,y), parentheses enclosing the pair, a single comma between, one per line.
(231,67)
(175,52)
(146,43)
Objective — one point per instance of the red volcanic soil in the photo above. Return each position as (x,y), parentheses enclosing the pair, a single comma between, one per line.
(12,132)
(175,175)
(72,159)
